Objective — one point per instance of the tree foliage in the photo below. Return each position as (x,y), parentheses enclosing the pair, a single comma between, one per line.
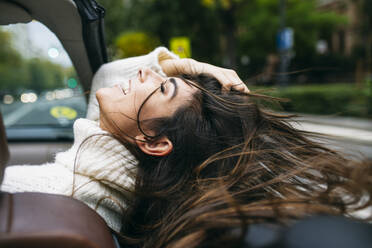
(7,52)
(365,31)
(258,30)
(131,44)
(114,19)
(223,30)
(18,73)
(166,19)
(44,75)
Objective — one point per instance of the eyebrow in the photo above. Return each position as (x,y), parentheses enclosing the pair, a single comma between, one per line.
(175,91)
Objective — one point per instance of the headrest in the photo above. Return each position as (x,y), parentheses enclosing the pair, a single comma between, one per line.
(12,13)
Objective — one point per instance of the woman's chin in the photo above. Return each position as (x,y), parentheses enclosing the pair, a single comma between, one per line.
(103,93)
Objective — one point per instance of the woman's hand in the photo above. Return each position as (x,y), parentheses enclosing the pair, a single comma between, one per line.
(228,78)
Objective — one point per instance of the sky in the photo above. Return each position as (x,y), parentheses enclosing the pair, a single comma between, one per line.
(36,40)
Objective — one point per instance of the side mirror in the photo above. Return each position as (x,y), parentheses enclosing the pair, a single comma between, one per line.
(4,152)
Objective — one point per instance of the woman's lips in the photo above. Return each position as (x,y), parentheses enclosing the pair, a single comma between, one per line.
(124,90)
(120,88)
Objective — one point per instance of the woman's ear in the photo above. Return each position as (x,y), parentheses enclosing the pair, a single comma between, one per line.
(159,147)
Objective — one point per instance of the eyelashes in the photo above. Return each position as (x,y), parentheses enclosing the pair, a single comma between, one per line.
(162,87)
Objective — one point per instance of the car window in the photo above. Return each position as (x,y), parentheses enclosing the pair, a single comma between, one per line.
(39,87)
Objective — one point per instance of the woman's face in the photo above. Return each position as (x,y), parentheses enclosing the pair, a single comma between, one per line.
(119,107)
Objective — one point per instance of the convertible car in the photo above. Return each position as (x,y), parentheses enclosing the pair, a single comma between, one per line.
(33,131)
(37,118)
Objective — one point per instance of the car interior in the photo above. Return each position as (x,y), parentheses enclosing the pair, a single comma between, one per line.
(32,219)
(46,220)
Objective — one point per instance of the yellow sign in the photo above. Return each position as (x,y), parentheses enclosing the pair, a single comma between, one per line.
(63,112)
(181,46)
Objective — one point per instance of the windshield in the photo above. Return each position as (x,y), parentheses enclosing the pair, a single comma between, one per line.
(38,83)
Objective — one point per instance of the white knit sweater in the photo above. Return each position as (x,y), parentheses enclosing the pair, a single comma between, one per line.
(97,169)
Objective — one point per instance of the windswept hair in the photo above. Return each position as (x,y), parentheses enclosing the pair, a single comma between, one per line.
(235,163)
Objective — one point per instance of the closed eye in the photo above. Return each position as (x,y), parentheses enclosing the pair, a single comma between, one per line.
(162,87)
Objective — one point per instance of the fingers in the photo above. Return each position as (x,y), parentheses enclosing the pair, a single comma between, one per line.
(242,87)
(225,81)
(230,80)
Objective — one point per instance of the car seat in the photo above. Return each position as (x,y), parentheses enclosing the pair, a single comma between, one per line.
(46,220)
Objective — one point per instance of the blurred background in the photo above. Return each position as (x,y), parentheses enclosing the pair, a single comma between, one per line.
(316,53)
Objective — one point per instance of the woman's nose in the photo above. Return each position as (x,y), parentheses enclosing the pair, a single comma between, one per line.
(146,74)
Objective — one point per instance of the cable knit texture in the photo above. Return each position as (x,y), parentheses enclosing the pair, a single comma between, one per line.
(97,170)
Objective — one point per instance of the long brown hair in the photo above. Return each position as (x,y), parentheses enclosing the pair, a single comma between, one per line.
(234,163)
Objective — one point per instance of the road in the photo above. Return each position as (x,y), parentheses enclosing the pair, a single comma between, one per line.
(39,113)
(347,134)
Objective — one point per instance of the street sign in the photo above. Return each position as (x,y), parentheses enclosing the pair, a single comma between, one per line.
(285,39)
(181,46)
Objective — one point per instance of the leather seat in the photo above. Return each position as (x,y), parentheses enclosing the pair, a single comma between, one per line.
(46,220)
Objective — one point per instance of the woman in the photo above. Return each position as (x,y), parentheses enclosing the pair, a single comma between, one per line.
(98,169)
(233,164)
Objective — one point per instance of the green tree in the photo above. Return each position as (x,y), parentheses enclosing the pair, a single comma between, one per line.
(165,19)
(365,8)
(227,14)
(365,32)
(12,70)
(7,53)
(45,75)
(259,23)
(18,73)
(38,76)
(222,30)
(114,19)
(131,44)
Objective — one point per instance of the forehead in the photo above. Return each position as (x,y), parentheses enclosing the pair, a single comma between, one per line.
(159,105)
(185,88)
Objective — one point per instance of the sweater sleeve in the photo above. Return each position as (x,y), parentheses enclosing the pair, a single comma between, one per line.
(120,71)
(46,178)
